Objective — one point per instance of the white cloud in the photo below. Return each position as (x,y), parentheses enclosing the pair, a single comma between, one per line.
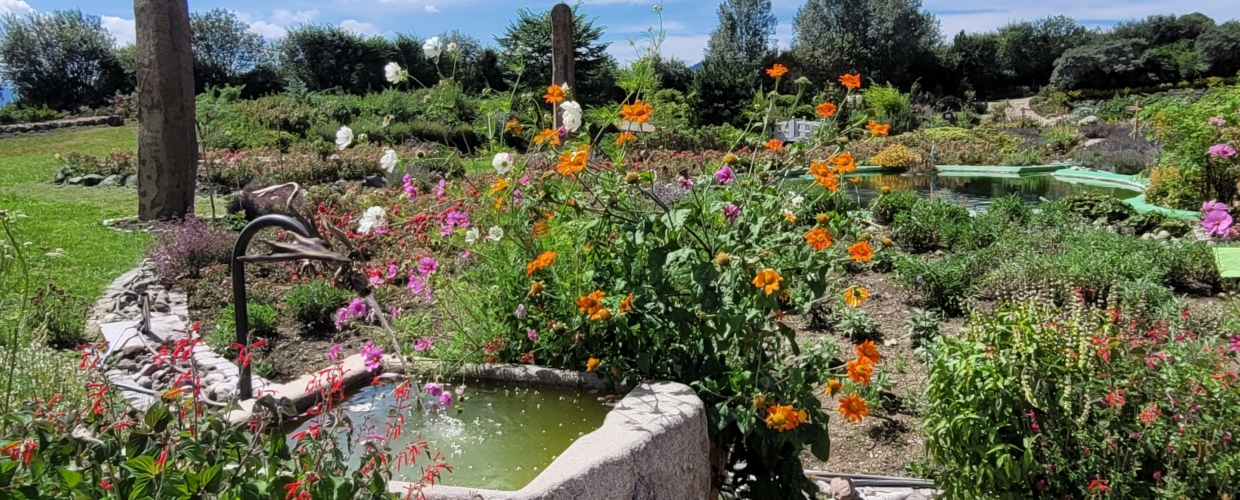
(122,29)
(268,30)
(431,9)
(285,17)
(359,27)
(15,7)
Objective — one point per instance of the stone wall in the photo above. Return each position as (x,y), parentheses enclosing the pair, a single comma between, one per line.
(89,121)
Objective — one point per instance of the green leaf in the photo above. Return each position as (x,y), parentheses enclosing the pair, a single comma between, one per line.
(157,418)
(141,467)
(69,477)
(675,220)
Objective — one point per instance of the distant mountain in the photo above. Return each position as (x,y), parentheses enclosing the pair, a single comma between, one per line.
(696,67)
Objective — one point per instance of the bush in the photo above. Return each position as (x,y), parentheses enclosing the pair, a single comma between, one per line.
(923,326)
(945,285)
(929,225)
(1094,206)
(888,206)
(182,248)
(1010,209)
(262,318)
(897,156)
(116,163)
(314,304)
(1119,153)
(1079,400)
(15,113)
(857,325)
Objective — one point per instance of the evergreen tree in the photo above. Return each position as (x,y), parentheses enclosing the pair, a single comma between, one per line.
(744,33)
(528,42)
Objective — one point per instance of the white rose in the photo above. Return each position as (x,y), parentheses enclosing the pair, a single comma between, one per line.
(389,160)
(472,235)
(432,48)
(344,137)
(502,163)
(393,73)
(374,218)
(495,233)
(571,115)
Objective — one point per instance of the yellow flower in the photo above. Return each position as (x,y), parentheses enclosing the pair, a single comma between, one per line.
(500,185)
(731,159)
(768,280)
(536,289)
(592,364)
(855,296)
(833,386)
(853,408)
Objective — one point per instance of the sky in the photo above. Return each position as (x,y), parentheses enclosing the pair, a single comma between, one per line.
(688,23)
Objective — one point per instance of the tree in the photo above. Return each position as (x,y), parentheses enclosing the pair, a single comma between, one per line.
(1107,65)
(744,33)
(330,57)
(61,59)
(975,58)
(1219,49)
(1028,50)
(881,39)
(720,90)
(474,66)
(224,48)
(1159,30)
(527,42)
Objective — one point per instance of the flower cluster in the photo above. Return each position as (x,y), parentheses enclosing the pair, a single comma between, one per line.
(1217,220)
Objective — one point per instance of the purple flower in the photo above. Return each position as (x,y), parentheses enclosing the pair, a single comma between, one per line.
(561,132)
(1217,222)
(441,188)
(395,312)
(725,175)
(423,344)
(1218,122)
(1235,343)
(731,212)
(427,265)
(433,389)
(445,398)
(520,311)
(524,180)
(685,183)
(392,270)
(357,308)
(1222,151)
(372,356)
(1211,206)
(334,352)
(533,335)
(453,220)
(516,196)
(410,190)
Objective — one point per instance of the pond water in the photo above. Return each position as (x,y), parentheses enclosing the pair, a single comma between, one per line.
(498,437)
(975,193)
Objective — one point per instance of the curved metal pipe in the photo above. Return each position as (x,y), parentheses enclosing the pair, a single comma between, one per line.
(241,317)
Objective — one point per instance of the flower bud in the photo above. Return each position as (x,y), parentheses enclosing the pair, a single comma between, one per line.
(887,241)
(885,189)
(731,159)
(631,178)
(865,237)
(822,219)
(722,259)
(536,289)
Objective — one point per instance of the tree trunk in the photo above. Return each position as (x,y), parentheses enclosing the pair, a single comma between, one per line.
(562,53)
(167,144)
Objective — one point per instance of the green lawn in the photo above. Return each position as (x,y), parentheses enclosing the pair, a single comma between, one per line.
(69,217)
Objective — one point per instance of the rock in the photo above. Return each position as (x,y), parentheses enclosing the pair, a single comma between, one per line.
(890,342)
(1162,235)
(145,382)
(111,318)
(61,176)
(842,489)
(131,182)
(916,495)
(823,487)
(116,121)
(225,391)
(213,378)
(376,181)
(1088,120)
(1147,236)
(126,365)
(91,180)
(73,181)
(112,181)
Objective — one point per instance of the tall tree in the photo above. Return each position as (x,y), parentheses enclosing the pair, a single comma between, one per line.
(1028,50)
(224,47)
(62,59)
(744,33)
(881,39)
(527,42)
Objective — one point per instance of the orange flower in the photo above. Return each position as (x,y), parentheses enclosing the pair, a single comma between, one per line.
(819,238)
(572,162)
(777,70)
(789,216)
(637,112)
(601,315)
(853,82)
(547,136)
(592,364)
(843,163)
(784,418)
(854,180)
(544,260)
(868,351)
(824,175)
(826,110)
(554,95)
(593,305)
(774,144)
(833,385)
(855,296)
(861,252)
(541,228)
(514,126)
(626,305)
(625,137)
(499,202)
(860,370)
(536,289)
(500,185)
(877,129)
(768,280)
(853,408)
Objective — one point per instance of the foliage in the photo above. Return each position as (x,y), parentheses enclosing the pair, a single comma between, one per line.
(1081,400)
(1184,128)
(1219,49)
(720,89)
(945,285)
(1110,64)
(929,225)
(315,303)
(15,113)
(743,35)
(1120,153)
(886,41)
(115,163)
(527,41)
(892,107)
(857,325)
(1094,206)
(224,48)
(60,59)
(897,156)
(59,317)
(183,247)
(326,57)
(923,326)
(887,207)
(262,325)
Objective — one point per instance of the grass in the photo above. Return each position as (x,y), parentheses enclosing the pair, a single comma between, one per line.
(69,217)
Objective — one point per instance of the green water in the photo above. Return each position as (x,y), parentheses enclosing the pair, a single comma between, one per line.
(501,438)
(975,193)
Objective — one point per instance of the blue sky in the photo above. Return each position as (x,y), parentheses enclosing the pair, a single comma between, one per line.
(688,22)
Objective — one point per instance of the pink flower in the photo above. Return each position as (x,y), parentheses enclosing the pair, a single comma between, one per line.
(372,357)
(334,352)
(419,285)
(685,183)
(1235,343)
(524,180)
(392,270)
(725,175)
(433,389)
(427,265)
(445,398)
(342,316)
(520,313)
(441,188)
(460,389)
(410,190)
(1217,222)
(1222,151)
(533,335)
(423,344)
(731,212)
(1218,122)
(357,308)
(1211,206)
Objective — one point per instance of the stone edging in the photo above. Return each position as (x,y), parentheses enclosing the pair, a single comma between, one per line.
(88,121)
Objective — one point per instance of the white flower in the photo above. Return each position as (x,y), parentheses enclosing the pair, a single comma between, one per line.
(432,48)
(564,86)
(374,218)
(389,160)
(502,163)
(393,73)
(472,235)
(571,115)
(495,233)
(796,199)
(452,47)
(344,137)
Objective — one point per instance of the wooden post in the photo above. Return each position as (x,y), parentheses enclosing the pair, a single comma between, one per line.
(562,52)
(167,144)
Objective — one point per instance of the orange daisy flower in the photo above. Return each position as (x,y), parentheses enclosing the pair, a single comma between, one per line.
(854,408)
(572,162)
(592,304)
(861,252)
(826,110)
(853,82)
(592,364)
(500,185)
(855,296)
(774,145)
(637,112)
(784,418)
(554,95)
(843,163)
(626,305)
(819,238)
(833,386)
(547,136)
(878,129)
(625,136)
(868,351)
(860,370)
(768,280)
(544,260)
(789,216)
(777,70)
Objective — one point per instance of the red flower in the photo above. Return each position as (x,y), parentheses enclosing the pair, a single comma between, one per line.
(1099,485)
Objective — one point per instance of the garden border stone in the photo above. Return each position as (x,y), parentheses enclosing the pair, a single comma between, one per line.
(86,121)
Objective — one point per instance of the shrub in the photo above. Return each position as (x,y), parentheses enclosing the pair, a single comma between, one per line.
(1010,208)
(183,247)
(262,320)
(15,113)
(116,163)
(1120,153)
(1023,158)
(897,156)
(1065,402)
(945,285)
(61,317)
(858,325)
(929,224)
(314,304)
(1061,138)
(888,206)
(923,326)
(1094,206)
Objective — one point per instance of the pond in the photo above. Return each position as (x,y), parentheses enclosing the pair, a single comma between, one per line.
(975,193)
(499,437)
